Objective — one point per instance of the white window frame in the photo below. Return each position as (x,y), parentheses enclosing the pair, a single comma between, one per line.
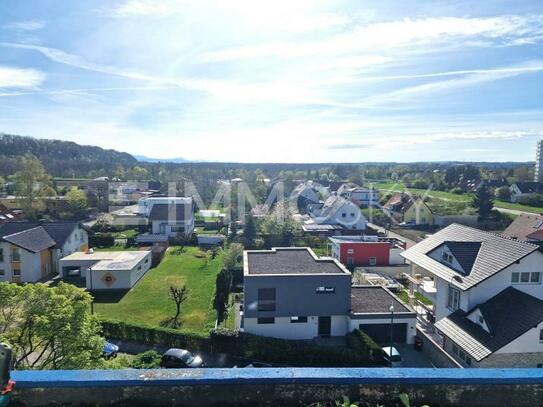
(453,298)
(518,276)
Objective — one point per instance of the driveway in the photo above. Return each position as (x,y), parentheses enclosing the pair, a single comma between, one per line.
(412,357)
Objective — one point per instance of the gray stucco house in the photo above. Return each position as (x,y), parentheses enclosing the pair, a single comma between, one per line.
(291,293)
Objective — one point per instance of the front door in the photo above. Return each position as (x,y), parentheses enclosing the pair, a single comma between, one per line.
(325,325)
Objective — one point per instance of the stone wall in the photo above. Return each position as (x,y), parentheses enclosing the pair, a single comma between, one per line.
(280,387)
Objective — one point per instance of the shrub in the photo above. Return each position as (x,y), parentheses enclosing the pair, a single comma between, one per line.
(101,240)
(362,344)
(457,191)
(146,360)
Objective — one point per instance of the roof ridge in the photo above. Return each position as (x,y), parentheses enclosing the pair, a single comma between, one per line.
(491,234)
(27,230)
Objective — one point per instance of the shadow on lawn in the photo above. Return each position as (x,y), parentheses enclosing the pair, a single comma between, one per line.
(108,297)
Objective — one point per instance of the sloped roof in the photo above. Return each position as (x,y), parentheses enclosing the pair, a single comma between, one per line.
(530,187)
(170,211)
(495,254)
(464,252)
(508,315)
(524,227)
(57,231)
(34,240)
(331,205)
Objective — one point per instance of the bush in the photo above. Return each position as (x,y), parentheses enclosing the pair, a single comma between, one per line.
(234,343)
(457,191)
(146,360)
(503,193)
(362,344)
(101,240)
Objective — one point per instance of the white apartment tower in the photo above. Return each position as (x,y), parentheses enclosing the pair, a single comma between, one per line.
(539,162)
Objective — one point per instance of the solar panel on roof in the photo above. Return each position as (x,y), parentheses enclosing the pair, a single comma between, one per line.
(538,224)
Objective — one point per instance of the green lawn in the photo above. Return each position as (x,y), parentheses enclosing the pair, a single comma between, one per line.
(399,187)
(517,207)
(149,303)
(125,234)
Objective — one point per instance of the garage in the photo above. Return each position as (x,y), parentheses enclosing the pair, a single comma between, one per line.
(380,333)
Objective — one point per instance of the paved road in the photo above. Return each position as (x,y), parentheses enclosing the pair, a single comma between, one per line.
(389,233)
(512,211)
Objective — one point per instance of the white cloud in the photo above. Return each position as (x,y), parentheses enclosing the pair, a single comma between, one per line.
(27,25)
(508,30)
(20,78)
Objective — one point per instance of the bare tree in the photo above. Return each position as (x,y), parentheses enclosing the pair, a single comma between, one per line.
(178,296)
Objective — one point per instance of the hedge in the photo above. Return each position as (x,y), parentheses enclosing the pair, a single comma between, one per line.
(234,343)
(101,240)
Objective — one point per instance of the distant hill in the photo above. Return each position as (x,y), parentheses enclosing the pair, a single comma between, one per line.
(60,158)
(146,159)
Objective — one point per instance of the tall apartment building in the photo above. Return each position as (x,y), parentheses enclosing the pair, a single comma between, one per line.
(539,162)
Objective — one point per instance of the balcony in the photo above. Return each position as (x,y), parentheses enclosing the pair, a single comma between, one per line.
(280,386)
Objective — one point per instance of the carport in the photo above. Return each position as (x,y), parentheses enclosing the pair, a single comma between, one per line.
(380,333)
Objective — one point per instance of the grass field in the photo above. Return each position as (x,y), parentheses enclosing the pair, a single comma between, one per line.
(399,187)
(149,303)
(517,207)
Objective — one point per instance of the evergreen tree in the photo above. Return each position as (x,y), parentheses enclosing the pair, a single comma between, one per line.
(483,201)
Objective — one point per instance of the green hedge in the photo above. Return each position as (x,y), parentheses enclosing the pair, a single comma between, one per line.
(364,345)
(279,351)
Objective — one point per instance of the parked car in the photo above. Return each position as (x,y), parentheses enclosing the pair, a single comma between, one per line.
(392,356)
(180,358)
(110,350)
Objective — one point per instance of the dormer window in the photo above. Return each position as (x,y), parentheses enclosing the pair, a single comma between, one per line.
(447,257)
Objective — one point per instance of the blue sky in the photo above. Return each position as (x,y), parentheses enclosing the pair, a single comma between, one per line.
(277,81)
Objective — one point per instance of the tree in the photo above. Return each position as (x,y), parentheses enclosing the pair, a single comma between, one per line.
(178,295)
(232,235)
(482,201)
(33,185)
(249,231)
(522,174)
(223,284)
(503,193)
(233,256)
(50,327)
(77,201)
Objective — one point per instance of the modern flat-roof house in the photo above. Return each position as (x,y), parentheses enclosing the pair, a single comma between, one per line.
(361,196)
(410,209)
(526,228)
(29,251)
(145,205)
(356,251)
(291,293)
(338,211)
(470,277)
(119,270)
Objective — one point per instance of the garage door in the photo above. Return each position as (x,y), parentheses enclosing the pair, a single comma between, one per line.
(380,333)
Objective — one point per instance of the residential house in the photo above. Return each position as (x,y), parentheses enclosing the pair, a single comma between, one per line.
(172,219)
(29,251)
(338,211)
(8,215)
(357,251)
(520,191)
(360,196)
(54,205)
(409,209)
(146,204)
(527,228)
(304,196)
(119,270)
(291,293)
(470,276)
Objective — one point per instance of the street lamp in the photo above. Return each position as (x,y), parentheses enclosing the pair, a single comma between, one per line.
(391,309)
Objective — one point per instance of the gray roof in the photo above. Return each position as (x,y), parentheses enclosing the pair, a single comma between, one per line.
(34,240)
(331,205)
(57,231)
(530,187)
(464,252)
(170,212)
(371,299)
(508,315)
(290,261)
(495,254)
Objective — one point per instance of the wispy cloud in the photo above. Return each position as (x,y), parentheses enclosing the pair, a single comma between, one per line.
(348,146)
(27,25)
(20,78)
(501,30)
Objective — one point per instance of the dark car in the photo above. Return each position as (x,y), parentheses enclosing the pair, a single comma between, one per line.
(110,350)
(180,358)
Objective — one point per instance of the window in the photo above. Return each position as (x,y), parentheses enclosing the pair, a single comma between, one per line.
(15,254)
(1,254)
(447,257)
(454,299)
(540,365)
(325,290)
(267,320)
(352,215)
(526,277)
(16,272)
(2,272)
(298,320)
(541,335)
(343,215)
(481,320)
(266,299)
(350,251)
(373,261)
